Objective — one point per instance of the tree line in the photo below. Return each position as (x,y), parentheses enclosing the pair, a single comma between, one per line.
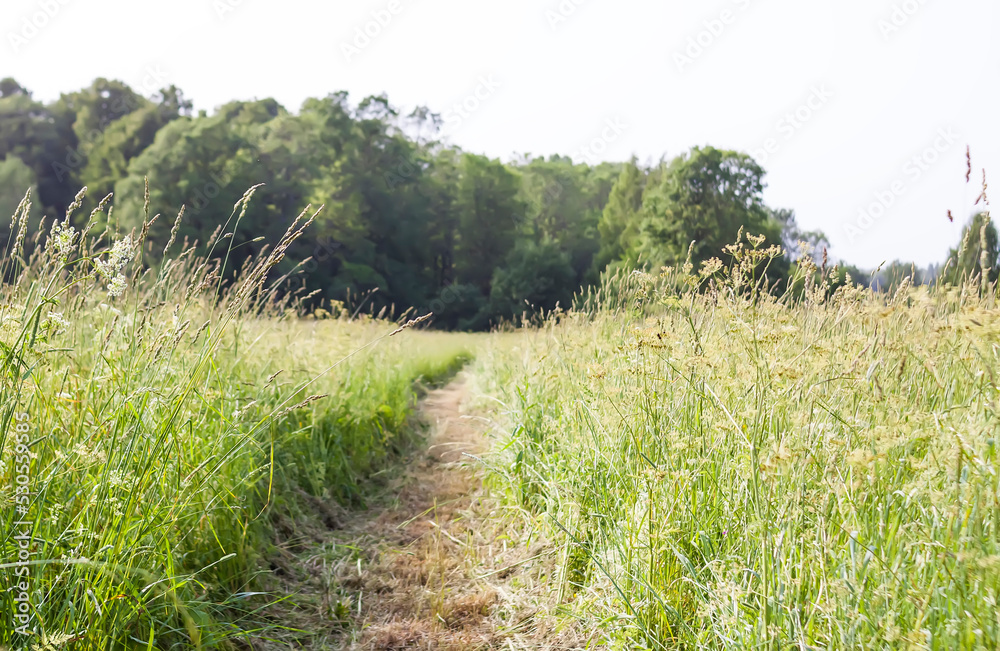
(409,221)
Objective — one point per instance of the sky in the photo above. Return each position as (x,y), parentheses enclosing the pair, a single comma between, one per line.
(859,110)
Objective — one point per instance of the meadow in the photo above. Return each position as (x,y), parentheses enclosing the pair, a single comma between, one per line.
(730,468)
(170,432)
(714,464)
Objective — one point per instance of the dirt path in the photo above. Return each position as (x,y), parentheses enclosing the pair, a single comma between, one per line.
(434,564)
(419,592)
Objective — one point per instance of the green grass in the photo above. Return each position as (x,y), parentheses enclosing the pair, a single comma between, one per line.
(721,467)
(727,469)
(170,434)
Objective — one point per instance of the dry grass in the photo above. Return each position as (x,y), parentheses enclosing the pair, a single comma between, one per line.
(436,562)
(725,468)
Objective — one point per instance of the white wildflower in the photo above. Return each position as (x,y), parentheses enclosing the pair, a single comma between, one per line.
(55,513)
(121,251)
(62,239)
(111,268)
(117,286)
(115,505)
(103,268)
(57,322)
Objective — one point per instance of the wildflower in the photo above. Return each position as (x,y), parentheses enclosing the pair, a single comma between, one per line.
(116,480)
(111,269)
(62,239)
(774,251)
(55,513)
(115,505)
(56,322)
(117,286)
(710,267)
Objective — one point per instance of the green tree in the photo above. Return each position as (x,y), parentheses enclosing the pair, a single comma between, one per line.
(619,225)
(10,88)
(379,193)
(442,194)
(535,276)
(563,203)
(408,221)
(206,164)
(705,197)
(489,213)
(80,119)
(460,307)
(28,131)
(107,158)
(16,178)
(94,108)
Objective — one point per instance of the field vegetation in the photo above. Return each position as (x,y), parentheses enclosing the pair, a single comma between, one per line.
(703,433)
(173,432)
(733,468)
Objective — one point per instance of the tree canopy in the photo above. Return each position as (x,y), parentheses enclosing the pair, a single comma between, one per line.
(409,222)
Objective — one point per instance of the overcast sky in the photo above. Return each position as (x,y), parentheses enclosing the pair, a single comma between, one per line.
(851,105)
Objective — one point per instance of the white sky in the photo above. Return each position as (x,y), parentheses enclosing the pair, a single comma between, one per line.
(559,83)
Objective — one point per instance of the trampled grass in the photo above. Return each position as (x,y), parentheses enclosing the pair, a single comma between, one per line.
(727,469)
(154,441)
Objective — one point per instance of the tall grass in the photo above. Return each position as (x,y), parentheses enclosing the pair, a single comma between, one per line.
(167,422)
(727,468)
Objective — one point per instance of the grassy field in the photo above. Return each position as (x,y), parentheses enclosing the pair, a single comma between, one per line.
(716,466)
(726,469)
(158,443)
